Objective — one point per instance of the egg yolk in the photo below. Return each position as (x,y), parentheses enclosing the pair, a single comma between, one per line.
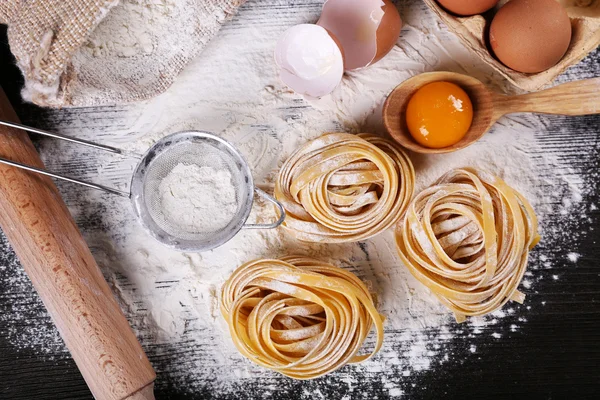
(439,114)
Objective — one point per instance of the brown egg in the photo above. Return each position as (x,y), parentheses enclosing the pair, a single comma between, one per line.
(530,35)
(467,7)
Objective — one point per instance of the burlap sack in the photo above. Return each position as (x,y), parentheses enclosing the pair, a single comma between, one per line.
(98,52)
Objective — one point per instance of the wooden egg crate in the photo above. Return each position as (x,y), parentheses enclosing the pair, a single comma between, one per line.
(473,32)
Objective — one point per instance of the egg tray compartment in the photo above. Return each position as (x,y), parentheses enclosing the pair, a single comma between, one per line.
(473,32)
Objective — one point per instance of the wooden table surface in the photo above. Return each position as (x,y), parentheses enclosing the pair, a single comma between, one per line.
(554,354)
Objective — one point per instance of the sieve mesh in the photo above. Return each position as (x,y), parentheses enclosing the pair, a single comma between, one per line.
(190,148)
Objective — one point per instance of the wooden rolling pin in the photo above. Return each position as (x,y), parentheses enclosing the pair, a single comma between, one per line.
(60,265)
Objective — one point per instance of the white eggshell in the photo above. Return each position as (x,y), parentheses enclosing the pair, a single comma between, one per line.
(354,23)
(310,61)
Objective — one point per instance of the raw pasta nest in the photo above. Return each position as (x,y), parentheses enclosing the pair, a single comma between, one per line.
(344,188)
(298,316)
(467,238)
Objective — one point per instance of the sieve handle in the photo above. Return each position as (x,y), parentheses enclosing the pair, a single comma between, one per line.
(64,178)
(279,208)
(68,139)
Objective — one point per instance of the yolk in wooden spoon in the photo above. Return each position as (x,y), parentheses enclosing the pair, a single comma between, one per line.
(439,114)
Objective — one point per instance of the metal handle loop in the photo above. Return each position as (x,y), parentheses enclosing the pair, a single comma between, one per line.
(279,208)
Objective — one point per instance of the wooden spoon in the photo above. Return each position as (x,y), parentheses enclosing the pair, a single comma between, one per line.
(573,98)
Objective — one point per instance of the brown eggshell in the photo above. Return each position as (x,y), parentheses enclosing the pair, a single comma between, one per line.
(366,29)
(388,31)
(467,7)
(530,35)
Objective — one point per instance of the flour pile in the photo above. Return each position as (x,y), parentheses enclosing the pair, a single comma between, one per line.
(171,298)
(198,199)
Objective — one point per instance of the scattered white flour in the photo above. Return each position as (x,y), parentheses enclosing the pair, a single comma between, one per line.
(232,90)
(573,257)
(132,29)
(198,199)
(27,322)
(138,50)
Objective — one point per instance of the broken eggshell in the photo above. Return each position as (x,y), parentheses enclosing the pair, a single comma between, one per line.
(310,60)
(366,29)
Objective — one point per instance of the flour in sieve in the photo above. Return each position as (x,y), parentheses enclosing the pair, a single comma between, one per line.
(198,199)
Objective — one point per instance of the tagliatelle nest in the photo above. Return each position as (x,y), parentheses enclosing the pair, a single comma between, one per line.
(342,187)
(467,238)
(299,316)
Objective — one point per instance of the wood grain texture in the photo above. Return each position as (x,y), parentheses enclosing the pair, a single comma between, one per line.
(553,353)
(573,98)
(56,258)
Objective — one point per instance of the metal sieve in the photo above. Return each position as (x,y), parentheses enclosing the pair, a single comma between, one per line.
(202,149)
